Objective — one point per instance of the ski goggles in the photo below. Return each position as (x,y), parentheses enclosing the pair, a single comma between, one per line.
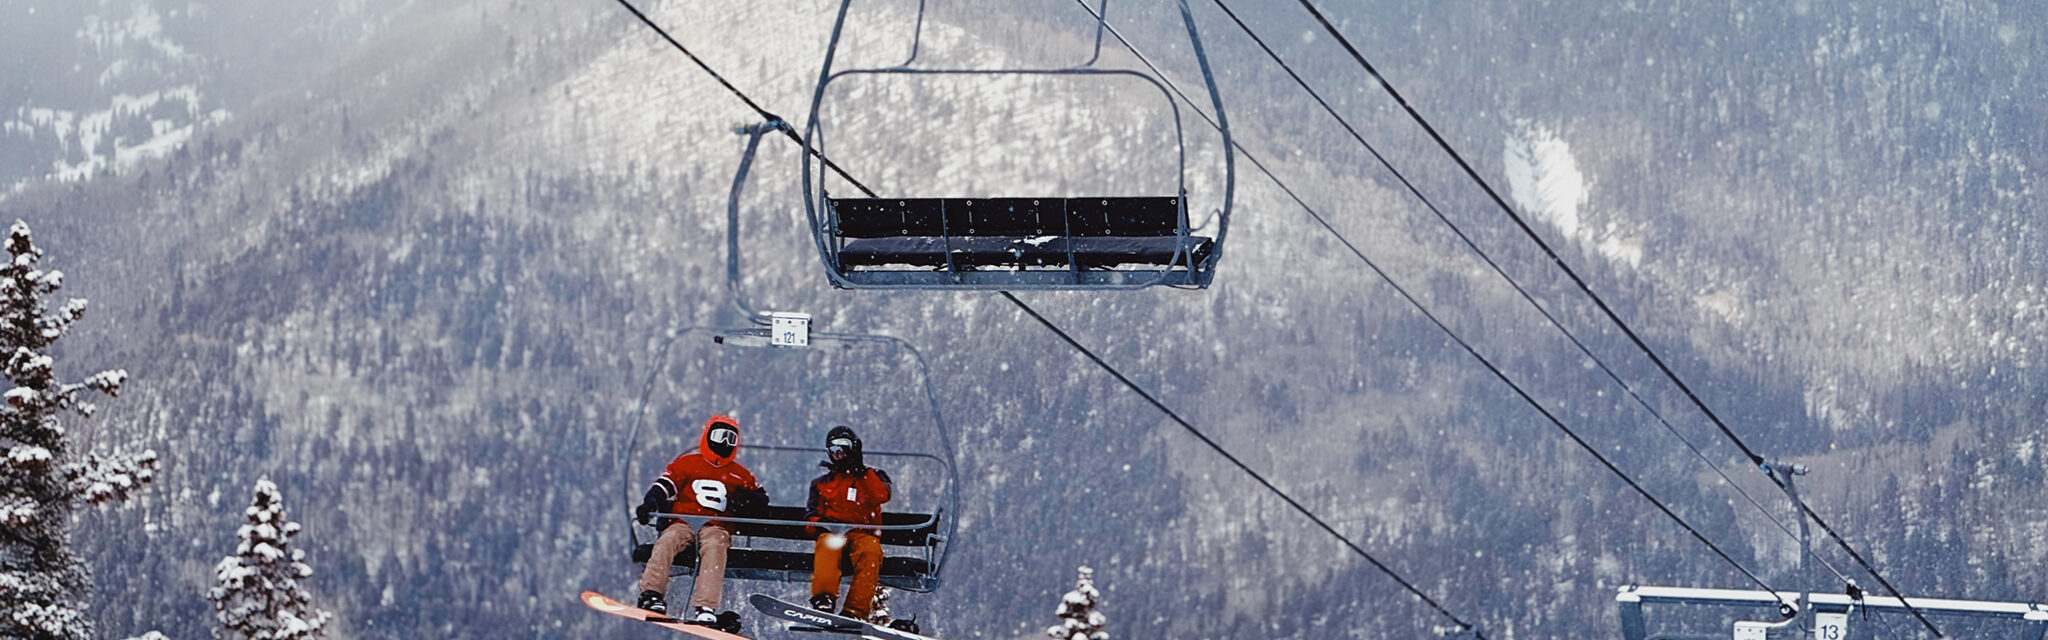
(838,446)
(724,436)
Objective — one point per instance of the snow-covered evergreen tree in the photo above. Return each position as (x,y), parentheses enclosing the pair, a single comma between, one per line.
(258,597)
(43,585)
(1078,618)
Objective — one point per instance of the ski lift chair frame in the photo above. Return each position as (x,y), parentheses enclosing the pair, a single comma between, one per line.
(915,545)
(1012,243)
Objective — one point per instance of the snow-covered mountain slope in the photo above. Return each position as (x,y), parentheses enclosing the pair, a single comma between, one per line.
(422,289)
(94,87)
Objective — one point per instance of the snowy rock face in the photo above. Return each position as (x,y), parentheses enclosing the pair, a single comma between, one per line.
(1544,178)
(1545,182)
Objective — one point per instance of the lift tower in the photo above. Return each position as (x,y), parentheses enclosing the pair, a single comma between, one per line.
(1804,614)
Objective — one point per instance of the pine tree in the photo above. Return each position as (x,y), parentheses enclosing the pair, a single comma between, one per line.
(259,596)
(43,585)
(1078,618)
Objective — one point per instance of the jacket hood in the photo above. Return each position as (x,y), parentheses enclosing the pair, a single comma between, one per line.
(710,452)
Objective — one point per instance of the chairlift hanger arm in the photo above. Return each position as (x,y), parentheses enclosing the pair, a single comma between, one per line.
(732,220)
(1101,20)
(1221,121)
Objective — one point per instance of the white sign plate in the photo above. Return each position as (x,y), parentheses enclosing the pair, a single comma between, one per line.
(786,329)
(1747,630)
(1830,626)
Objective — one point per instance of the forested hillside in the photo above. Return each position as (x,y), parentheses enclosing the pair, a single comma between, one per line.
(421,291)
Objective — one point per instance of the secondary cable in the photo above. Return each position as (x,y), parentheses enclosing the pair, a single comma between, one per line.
(1249,156)
(1754,458)
(1519,289)
(764,113)
(1220,450)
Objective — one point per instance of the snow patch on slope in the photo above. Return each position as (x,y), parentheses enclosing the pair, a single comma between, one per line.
(1545,181)
(172,115)
(1543,177)
(145,27)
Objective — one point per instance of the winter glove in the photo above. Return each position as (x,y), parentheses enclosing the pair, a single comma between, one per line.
(850,464)
(654,502)
(745,502)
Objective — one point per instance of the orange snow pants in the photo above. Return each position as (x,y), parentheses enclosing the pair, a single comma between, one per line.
(712,543)
(865,549)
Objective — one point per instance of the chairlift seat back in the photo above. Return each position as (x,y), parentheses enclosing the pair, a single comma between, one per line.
(1141,235)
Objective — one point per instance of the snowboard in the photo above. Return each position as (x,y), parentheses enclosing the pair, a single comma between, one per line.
(808,619)
(604,603)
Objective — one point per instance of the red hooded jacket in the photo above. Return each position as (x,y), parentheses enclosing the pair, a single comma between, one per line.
(704,484)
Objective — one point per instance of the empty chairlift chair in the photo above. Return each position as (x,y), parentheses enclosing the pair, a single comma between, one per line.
(1050,242)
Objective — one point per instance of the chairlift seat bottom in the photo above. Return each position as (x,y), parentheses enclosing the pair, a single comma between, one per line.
(1021,252)
(902,572)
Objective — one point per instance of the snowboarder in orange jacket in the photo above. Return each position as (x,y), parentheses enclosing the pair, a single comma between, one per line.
(850,492)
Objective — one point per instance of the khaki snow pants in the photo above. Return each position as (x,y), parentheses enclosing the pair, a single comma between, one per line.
(866,551)
(712,543)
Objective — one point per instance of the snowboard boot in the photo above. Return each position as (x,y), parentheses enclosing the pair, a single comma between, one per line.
(906,626)
(825,602)
(653,601)
(727,621)
(703,616)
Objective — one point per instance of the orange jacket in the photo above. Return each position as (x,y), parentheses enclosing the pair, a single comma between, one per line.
(851,497)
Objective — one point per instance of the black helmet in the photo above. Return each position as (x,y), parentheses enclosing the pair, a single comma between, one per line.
(842,448)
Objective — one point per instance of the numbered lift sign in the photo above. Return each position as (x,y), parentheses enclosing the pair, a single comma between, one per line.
(1830,626)
(789,329)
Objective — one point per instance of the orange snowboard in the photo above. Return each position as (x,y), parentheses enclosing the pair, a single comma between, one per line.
(604,603)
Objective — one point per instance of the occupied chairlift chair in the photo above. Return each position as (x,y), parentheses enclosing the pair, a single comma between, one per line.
(1011,242)
(915,544)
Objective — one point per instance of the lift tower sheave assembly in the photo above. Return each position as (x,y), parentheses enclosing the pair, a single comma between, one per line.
(1819,616)
(2029,620)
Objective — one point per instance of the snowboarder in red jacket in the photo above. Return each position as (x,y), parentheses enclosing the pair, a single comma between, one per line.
(850,492)
(708,482)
